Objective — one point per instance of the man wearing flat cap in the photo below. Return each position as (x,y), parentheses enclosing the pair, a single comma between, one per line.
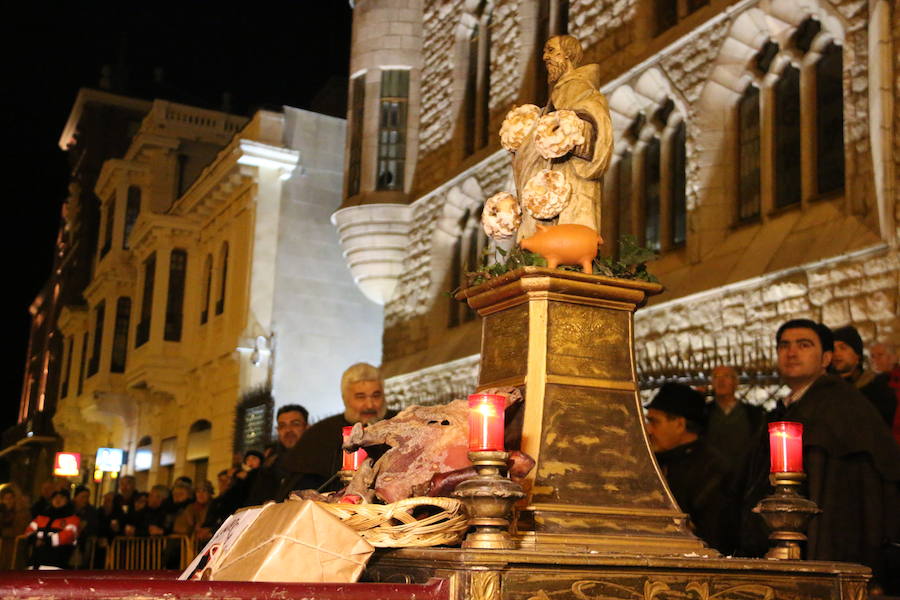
(847,363)
(696,473)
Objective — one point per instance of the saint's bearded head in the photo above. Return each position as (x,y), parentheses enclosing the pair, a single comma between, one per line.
(562,53)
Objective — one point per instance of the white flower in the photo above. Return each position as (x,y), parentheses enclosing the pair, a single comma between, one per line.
(546,194)
(557,133)
(517,125)
(501,216)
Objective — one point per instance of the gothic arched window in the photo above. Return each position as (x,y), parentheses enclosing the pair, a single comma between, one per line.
(678,184)
(787,166)
(829,121)
(748,154)
(466,255)
(476,98)
(623,196)
(651,193)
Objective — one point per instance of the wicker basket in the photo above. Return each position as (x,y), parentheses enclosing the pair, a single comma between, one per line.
(394,526)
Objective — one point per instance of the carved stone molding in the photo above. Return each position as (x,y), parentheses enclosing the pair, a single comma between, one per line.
(434,385)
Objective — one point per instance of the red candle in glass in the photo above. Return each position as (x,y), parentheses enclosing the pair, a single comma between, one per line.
(786,447)
(352,460)
(486,422)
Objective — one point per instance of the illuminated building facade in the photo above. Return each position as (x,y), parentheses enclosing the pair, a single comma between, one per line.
(755,150)
(217,292)
(100,125)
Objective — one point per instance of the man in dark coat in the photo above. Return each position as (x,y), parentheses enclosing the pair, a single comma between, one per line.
(730,423)
(847,363)
(318,455)
(291,425)
(851,461)
(127,493)
(696,473)
(154,519)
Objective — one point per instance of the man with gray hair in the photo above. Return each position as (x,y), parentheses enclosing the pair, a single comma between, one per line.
(318,454)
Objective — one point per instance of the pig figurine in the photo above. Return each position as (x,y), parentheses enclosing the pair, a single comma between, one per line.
(565,245)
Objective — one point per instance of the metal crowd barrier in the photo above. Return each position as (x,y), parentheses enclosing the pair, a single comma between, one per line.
(149,553)
(19,558)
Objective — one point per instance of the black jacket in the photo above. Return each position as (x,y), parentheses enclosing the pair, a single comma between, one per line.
(853,474)
(317,456)
(697,475)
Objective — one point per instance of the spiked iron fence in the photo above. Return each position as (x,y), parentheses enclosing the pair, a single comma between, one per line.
(691,361)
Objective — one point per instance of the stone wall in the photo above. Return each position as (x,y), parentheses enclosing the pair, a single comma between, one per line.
(411,295)
(440,18)
(859,290)
(506,39)
(415,317)
(823,260)
(597,23)
(861,193)
(434,385)
(896,146)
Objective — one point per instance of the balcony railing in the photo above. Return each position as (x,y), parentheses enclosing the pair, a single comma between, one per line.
(167,115)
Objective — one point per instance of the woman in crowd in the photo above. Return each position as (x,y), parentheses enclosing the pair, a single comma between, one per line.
(110,523)
(14,517)
(190,519)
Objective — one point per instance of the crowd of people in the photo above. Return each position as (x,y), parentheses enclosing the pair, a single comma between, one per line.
(715,456)
(63,529)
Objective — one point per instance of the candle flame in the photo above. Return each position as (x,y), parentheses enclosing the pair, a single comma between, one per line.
(486,409)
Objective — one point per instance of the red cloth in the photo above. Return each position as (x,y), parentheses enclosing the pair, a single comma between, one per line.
(59,532)
(894,382)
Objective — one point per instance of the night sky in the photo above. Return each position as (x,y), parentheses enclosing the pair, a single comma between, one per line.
(264,54)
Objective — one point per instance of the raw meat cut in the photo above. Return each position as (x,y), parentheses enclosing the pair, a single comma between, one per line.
(423,440)
(426,441)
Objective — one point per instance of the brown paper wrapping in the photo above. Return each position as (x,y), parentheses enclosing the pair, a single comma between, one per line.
(295,541)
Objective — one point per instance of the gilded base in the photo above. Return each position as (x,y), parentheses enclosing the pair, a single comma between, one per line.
(489,499)
(563,574)
(566,339)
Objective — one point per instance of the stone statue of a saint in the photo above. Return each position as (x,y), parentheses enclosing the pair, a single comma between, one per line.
(574,89)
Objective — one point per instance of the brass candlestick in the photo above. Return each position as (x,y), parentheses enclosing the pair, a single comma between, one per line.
(346,476)
(489,498)
(787,514)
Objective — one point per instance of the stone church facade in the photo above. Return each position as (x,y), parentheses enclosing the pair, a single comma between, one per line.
(756,149)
